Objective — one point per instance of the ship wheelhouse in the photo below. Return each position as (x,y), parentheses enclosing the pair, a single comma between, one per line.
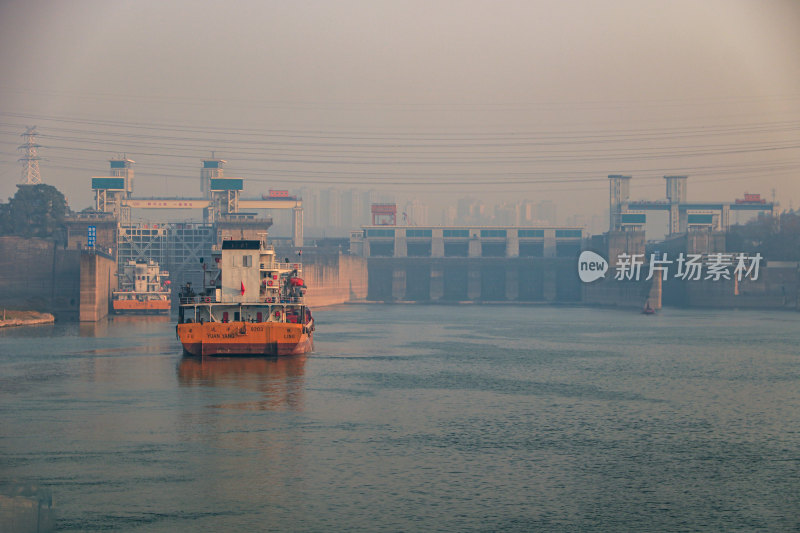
(247,284)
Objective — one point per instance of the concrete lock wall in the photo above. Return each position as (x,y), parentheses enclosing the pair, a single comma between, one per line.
(775,288)
(97,281)
(334,279)
(39,275)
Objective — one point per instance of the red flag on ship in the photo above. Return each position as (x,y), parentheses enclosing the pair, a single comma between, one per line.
(243,288)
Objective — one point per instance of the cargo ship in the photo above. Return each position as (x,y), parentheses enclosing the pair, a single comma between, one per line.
(251,305)
(143,289)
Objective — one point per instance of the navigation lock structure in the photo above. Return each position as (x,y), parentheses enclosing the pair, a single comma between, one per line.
(683,215)
(178,247)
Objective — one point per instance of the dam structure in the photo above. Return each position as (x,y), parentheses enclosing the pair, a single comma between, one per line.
(470,263)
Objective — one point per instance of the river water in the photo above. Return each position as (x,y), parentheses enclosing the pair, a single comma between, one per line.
(416,418)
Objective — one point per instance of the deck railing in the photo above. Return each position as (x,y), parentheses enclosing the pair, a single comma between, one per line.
(283,266)
(188,300)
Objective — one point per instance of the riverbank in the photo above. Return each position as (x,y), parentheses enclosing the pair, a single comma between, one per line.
(10,318)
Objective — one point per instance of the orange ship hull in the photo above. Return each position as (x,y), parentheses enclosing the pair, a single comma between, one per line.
(245,338)
(146,306)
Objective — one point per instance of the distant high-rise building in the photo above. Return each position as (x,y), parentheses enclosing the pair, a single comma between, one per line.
(463,210)
(506,214)
(577,220)
(330,208)
(310,207)
(598,224)
(311,210)
(471,211)
(526,214)
(335,212)
(449,216)
(348,200)
(546,211)
(416,213)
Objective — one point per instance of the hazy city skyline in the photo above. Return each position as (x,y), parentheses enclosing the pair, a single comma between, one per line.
(431,100)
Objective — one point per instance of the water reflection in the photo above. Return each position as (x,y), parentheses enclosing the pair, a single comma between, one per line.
(93,329)
(138,319)
(279,380)
(139,323)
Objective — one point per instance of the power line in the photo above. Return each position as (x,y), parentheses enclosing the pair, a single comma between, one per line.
(504,159)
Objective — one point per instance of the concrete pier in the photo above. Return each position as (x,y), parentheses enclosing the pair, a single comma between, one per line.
(512,285)
(473,282)
(97,281)
(437,283)
(398,284)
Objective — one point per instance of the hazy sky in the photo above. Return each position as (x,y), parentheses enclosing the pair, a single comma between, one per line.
(537,100)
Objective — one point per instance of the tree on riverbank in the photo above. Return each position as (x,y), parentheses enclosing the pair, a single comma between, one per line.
(776,238)
(34,211)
